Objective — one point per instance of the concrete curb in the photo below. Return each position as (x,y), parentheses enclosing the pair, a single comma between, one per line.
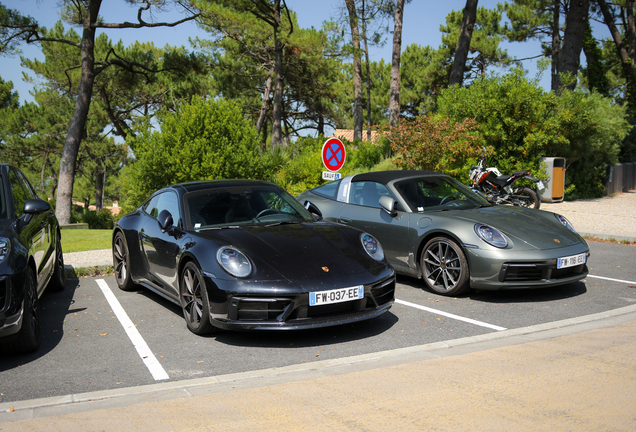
(603,236)
(82,402)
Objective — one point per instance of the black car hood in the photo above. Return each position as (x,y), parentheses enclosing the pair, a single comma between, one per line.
(535,228)
(301,252)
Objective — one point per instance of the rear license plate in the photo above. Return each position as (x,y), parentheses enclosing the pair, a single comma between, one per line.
(571,261)
(336,296)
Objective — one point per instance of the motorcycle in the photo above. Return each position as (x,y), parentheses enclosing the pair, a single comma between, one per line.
(501,189)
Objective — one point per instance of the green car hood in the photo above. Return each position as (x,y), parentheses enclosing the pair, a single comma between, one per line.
(527,228)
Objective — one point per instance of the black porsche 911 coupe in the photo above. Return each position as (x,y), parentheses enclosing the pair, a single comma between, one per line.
(246,255)
(31,261)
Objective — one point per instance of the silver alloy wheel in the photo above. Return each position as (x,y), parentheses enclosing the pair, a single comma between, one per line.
(194,300)
(121,263)
(121,266)
(444,266)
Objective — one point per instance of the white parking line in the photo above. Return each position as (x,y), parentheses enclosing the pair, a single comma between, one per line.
(610,279)
(449,315)
(153,365)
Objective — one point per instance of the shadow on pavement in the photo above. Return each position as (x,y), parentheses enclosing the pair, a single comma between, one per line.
(55,306)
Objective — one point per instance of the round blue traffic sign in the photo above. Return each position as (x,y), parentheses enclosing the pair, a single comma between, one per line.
(333,154)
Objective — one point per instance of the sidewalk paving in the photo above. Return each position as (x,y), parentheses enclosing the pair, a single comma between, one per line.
(571,375)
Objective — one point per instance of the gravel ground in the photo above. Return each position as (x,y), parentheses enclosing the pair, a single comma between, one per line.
(607,218)
(614,217)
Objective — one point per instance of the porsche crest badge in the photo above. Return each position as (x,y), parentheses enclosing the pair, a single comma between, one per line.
(325,269)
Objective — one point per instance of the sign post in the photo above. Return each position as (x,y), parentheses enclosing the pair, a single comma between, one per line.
(333,158)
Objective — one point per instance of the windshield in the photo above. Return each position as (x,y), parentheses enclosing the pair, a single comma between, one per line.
(438,193)
(242,205)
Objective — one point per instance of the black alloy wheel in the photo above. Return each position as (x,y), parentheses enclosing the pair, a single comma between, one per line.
(121,263)
(444,267)
(527,197)
(28,338)
(194,300)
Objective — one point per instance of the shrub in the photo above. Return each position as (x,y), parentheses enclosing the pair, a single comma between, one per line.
(520,124)
(203,140)
(435,144)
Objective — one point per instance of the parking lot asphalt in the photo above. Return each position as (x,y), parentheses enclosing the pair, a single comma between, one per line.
(577,374)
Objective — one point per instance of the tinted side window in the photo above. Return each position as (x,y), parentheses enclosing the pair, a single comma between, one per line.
(328,190)
(19,194)
(3,201)
(27,186)
(368,193)
(164,201)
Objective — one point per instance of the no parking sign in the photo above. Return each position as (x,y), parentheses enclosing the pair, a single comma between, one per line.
(333,154)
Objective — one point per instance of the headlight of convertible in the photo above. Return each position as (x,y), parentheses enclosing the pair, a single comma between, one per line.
(234,261)
(491,236)
(565,222)
(5,248)
(372,246)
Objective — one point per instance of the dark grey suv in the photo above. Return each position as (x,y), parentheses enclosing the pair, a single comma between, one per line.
(30,260)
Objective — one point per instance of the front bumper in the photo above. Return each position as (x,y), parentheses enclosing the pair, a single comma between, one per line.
(537,269)
(10,307)
(292,312)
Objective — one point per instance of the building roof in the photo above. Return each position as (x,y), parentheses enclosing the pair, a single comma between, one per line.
(347,134)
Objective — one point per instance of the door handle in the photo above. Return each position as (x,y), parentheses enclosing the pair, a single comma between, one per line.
(345,220)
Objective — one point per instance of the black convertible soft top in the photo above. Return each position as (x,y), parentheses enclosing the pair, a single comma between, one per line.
(385,177)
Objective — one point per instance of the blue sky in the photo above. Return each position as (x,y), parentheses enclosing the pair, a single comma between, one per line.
(422,19)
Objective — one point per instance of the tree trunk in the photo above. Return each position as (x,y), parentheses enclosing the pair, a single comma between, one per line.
(556,45)
(463,44)
(78,122)
(631,32)
(265,105)
(99,189)
(616,35)
(368,67)
(53,176)
(357,70)
(277,111)
(42,188)
(570,56)
(394,92)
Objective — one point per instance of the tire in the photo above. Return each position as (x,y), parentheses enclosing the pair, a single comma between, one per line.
(121,263)
(194,300)
(444,267)
(530,198)
(29,337)
(59,277)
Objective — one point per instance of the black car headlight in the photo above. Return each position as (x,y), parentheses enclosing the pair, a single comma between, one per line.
(491,236)
(234,261)
(372,246)
(5,248)
(565,222)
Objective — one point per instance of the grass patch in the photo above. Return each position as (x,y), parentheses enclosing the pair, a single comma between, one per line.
(79,240)
(85,272)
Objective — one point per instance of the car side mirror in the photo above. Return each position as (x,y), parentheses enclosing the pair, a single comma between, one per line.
(36,206)
(32,207)
(165,221)
(388,204)
(315,211)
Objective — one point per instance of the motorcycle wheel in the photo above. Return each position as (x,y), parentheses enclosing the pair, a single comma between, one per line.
(527,198)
